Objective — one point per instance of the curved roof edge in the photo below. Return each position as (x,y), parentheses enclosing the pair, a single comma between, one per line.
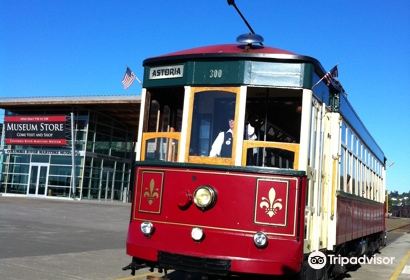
(233,51)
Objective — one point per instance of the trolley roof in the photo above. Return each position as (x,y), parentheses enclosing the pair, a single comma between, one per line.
(233,51)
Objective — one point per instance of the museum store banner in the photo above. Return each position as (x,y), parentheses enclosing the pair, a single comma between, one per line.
(35,130)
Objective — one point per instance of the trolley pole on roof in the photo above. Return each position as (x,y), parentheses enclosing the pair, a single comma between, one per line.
(248,38)
(232,3)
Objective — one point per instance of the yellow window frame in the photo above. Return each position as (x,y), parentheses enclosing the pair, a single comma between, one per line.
(291,147)
(152,135)
(205,159)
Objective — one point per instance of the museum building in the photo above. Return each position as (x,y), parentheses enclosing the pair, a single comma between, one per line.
(40,158)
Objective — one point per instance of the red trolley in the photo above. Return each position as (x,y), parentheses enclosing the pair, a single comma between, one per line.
(296,170)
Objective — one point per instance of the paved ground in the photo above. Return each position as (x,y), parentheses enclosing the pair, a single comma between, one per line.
(48,239)
(398,248)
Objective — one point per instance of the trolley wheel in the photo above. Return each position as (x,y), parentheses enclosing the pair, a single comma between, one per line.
(308,273)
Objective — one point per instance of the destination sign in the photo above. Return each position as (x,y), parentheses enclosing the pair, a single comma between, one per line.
(166,72)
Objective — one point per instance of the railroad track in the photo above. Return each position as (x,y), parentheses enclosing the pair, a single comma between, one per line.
(400,228)
(145,276)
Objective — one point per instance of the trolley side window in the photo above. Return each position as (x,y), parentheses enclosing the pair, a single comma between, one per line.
(162,128)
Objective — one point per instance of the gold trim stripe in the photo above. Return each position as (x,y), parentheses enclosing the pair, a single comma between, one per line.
(210,227)
(210,160)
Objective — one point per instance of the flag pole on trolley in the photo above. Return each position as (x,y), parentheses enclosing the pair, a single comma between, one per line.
(329,77)
(129,78)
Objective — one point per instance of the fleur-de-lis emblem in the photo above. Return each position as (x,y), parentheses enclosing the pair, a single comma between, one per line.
(151,194)
(271,205)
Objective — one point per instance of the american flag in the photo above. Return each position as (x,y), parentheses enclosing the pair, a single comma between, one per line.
(128,79)
(329,76)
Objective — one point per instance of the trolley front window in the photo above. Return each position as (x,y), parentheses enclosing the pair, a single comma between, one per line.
(212,127)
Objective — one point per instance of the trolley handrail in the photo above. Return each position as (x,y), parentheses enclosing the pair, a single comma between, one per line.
(151,135)
(291,147)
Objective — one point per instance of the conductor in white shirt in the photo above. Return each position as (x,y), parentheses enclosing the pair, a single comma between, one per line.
(222,146)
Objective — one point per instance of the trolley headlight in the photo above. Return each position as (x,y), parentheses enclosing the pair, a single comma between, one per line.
(260,239)
(204,197)
(147,228)
(197,233)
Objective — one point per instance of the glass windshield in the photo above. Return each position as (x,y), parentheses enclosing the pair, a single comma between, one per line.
(212,124)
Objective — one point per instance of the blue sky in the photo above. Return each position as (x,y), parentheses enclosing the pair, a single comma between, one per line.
(73,47)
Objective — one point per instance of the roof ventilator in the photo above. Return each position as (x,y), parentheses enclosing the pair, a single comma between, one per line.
(250,41)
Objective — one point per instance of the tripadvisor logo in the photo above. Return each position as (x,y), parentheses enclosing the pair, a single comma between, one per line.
(317,260)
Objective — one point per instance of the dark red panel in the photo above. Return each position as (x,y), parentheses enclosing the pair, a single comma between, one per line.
(245,204)
(357,217)
(150,191)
